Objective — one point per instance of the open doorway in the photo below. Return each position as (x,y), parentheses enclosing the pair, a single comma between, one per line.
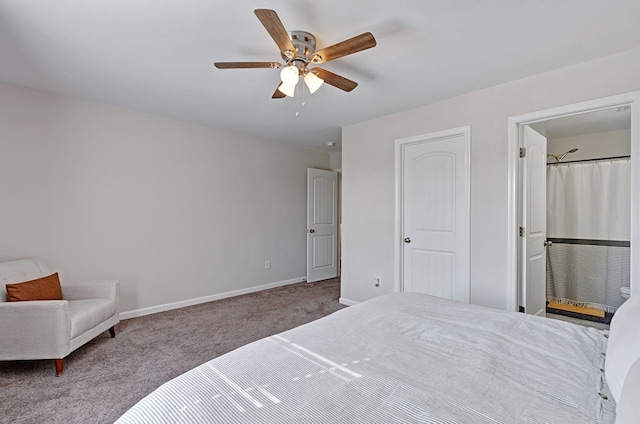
(587,238)
(615,119)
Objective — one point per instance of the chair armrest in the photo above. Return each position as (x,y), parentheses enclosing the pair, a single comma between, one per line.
(96,289)
(34,329)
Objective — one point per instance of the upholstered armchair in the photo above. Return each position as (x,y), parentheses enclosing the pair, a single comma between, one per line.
(52,329)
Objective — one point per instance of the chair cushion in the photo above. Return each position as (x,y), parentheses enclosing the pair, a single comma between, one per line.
(45,288)
(87,313)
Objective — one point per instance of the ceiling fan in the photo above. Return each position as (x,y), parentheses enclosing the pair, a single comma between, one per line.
(298,50)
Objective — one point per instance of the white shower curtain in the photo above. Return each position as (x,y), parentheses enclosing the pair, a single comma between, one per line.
(588,205)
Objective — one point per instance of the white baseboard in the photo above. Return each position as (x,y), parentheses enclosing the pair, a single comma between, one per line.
(347,302)
(189,302)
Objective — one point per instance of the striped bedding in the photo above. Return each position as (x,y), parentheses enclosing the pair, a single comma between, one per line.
(399,358)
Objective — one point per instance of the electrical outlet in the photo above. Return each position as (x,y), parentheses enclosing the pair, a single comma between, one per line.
(377,281)
(267,264)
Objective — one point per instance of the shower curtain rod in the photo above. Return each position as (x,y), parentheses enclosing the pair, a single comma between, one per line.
(591,160)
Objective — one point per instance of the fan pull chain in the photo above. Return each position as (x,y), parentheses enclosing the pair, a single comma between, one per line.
(298,99)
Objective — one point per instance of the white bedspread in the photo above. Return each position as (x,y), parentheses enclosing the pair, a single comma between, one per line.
(398,358)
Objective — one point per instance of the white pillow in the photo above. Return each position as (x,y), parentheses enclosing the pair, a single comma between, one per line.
(628,411)
(623,348)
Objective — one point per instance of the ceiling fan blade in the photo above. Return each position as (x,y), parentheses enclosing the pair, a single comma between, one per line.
(334,79)
(278,94)
(241,65)
(344,48)
(274,27)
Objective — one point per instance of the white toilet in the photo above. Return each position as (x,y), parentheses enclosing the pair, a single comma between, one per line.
(625,292)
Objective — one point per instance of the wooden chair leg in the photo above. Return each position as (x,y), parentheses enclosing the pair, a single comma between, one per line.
(60,362)
(59,366)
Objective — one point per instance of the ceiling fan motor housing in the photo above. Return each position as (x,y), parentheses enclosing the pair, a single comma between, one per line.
(305,44)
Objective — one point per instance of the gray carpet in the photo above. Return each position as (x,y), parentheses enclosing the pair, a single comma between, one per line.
(107,376)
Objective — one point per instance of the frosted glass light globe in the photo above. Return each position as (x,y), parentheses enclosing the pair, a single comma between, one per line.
(313,82)
(288,90)
(289,75)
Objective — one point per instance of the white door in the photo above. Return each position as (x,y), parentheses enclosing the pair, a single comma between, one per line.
(435,214)
(322,224)
(534,234)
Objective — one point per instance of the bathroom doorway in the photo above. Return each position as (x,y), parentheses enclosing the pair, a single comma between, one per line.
(588,191)
(564,127)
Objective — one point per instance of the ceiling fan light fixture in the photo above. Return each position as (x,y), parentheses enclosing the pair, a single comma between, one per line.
(298,50)
(313,82)
(289,75)
(289,90)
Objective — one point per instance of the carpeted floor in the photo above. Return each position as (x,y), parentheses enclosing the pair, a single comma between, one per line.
(107,376)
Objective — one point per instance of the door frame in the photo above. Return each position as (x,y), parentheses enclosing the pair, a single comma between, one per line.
(632,100)
(399,169)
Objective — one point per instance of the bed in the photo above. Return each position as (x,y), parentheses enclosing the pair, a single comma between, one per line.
(410,358)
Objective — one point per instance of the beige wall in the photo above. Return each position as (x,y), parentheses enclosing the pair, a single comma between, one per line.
(336,160)
(592,145)
(368,171)
(173,210)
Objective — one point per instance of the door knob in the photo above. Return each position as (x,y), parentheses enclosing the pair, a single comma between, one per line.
(312,231)
(548,243)
(407,239)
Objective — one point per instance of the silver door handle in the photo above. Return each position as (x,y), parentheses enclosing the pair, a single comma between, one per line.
(407,239)
(312,231)
(548,243)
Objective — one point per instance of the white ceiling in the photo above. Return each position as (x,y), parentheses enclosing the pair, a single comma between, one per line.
(157,55)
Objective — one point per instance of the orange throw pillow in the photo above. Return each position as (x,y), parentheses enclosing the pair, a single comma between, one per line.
(45,288)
